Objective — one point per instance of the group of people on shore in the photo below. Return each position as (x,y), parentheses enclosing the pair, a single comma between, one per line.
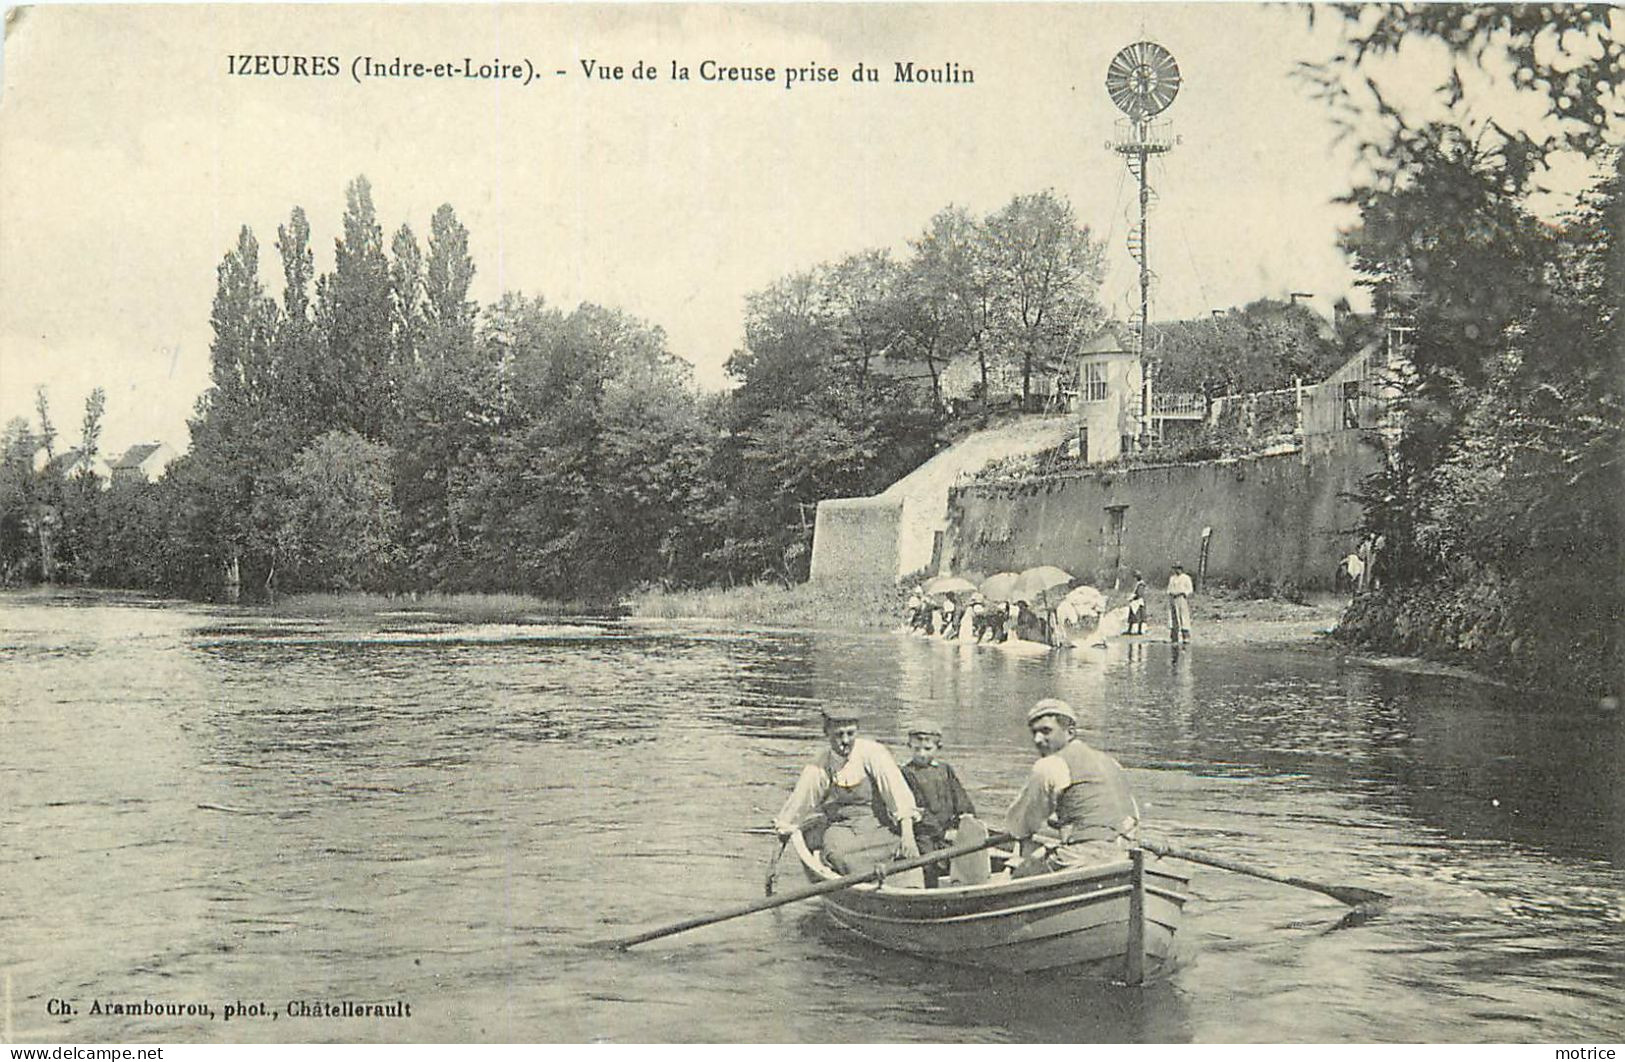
(975,618)
(978,620)
(856,804)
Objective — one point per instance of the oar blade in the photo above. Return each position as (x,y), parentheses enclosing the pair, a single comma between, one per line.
(1355,896)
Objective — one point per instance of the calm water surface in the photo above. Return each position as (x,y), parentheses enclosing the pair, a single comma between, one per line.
(407,809)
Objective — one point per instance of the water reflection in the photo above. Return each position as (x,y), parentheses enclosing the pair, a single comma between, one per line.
(407,809)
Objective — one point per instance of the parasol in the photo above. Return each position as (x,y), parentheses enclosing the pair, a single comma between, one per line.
(1034,583)
(1000,587)
(950,584)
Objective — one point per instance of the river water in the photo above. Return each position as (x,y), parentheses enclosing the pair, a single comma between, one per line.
(208,806)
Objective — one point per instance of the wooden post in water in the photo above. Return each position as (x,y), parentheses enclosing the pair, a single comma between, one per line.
(1134,957)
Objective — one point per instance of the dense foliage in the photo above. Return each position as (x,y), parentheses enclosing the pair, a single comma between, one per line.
(1498,506)
(374,429)
(1266,345)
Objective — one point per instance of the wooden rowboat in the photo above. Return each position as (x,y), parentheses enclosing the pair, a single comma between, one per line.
(1116,920)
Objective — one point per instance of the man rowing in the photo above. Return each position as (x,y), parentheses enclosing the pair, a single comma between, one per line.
(855,796)
(1079,789)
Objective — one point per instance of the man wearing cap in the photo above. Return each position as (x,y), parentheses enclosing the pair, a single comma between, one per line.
(1083,791)
(855,792)
(1179,605)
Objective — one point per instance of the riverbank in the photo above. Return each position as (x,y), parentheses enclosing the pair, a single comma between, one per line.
(1219,617)
(817,606)
(1554,640)
(456,608)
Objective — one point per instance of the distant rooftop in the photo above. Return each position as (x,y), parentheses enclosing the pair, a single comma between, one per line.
(136,454)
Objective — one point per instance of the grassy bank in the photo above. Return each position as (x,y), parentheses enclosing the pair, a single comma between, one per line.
(459,608)
(854,606)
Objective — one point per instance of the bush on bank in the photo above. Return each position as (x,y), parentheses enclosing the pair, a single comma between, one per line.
(1548,636)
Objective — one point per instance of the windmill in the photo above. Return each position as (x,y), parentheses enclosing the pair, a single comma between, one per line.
(1143,80)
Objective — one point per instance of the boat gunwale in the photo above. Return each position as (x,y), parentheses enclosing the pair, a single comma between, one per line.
(1069,900)
(993,890)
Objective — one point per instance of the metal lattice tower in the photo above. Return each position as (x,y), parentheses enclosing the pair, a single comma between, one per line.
(1143,80)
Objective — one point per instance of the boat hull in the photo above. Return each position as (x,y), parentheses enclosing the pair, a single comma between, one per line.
(1079,918)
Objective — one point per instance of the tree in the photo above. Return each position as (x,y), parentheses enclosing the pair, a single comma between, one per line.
(927,314)
(1562,52)
(1046,272)
(241,428)
(90,433)
(306,395)
(1496,500)
(1263,346)
(859,294)
(339,523)
(354,311)
(587,477)
(952,280)
(19,545)
(47,430)
(406,322)
(450,270)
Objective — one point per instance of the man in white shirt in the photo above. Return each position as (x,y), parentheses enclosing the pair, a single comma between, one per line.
(1179,605)
(855,795)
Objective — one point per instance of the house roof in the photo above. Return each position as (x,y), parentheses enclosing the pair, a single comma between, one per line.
(1106,341)
(135,455)
(65,459)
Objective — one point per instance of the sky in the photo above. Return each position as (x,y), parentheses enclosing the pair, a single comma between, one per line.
(130,155)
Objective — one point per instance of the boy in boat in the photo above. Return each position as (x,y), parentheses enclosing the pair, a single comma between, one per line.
(851,800)
(941,798)
(1080,790)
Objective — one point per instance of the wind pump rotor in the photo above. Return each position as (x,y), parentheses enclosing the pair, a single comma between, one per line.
(1143,80)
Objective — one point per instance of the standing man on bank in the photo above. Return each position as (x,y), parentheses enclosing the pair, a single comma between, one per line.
(1179,605)
(1079,789)
(854,794)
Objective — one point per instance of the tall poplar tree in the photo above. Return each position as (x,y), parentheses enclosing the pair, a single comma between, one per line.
(449,272)
(353,312)
(307,391)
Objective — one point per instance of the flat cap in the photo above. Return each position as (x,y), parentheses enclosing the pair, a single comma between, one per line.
(922,726)
(1052,706)
(839,713)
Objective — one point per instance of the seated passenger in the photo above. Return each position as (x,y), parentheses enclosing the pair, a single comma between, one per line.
(941,798)
(851,800)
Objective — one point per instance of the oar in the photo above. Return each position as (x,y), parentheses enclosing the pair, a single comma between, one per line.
(1352,895)
(773,868)
(822,888)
